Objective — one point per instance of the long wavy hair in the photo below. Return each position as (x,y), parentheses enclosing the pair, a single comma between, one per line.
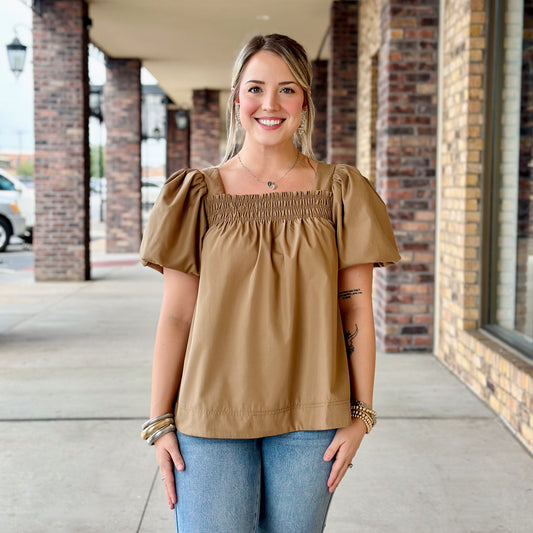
(295,56)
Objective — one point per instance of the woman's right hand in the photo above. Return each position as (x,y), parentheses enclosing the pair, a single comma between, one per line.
(168,455)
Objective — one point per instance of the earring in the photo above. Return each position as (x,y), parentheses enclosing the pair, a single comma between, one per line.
(303,124)
(237,115)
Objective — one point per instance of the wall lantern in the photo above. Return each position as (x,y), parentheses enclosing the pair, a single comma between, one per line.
(16,53)
(182,119)
(156,134)
(95,102)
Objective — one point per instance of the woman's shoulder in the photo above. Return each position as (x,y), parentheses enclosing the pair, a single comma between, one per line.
(186,175)
(343,171)
(184,183)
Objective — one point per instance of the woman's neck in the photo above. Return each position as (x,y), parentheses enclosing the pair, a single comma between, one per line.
(268,157)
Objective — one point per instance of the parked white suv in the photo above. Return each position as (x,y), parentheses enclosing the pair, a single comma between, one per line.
(12,190)
(11,222)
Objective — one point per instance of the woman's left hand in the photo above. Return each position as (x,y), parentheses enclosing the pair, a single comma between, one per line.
(343,448)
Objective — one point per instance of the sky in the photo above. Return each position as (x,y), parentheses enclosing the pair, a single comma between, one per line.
(16,94)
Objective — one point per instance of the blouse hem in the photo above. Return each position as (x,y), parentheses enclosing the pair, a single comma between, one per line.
(227,424)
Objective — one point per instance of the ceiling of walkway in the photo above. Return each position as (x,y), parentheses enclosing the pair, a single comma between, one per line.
(191,44)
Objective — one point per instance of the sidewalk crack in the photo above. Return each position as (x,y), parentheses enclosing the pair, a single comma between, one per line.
(147,501)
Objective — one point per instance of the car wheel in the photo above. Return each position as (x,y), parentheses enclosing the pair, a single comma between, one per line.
(5,234)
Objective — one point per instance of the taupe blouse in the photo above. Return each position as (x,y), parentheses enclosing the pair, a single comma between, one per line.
(266,351)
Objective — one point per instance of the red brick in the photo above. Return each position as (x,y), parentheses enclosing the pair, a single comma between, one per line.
(342,82)
(61,110)
(406,155)
(122,112)
(178,144)
(205,128)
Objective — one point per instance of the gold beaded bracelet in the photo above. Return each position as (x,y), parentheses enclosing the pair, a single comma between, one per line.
(365,413)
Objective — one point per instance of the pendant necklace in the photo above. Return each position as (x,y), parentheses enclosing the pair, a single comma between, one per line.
(270,183)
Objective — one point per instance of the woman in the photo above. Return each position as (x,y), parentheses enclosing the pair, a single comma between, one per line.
(265,349)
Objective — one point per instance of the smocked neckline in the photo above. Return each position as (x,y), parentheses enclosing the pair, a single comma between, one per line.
(321,167)
(288,205)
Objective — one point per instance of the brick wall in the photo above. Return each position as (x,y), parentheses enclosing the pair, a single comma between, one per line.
(178,144)
(61,110)
(342,82)
(122,114)
(320,99)
(205,128)
(369,43)
(405,171)
(501,378)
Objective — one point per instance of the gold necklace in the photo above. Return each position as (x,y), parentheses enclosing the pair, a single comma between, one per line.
(269,183)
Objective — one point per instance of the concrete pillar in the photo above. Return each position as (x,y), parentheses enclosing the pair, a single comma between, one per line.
(178,144)
(122,116)
(405,173)
(61,233)
(205,128)
(342,82)
(320,99)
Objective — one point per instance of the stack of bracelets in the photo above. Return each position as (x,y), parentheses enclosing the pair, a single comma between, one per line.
(365,413)
(157,427)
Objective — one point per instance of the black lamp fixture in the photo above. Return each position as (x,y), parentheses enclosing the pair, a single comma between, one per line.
(182,119)
(16,54)
(95,101)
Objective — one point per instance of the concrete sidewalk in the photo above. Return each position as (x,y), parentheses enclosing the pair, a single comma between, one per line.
(74,389)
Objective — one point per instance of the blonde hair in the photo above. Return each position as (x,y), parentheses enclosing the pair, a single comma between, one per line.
(295,56)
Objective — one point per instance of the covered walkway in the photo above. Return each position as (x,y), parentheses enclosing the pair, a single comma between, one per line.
(74,390)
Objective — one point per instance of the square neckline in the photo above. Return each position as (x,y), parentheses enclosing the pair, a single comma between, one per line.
(319,176)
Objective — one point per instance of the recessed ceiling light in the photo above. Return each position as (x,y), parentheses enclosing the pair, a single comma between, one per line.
(263,17)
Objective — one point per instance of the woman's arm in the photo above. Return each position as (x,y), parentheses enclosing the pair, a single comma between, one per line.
(179,299)
(355,302)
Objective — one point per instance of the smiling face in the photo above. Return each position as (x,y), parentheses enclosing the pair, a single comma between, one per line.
(270,99)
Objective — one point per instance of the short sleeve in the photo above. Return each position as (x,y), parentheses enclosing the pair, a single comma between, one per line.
(177,224)
(363,229)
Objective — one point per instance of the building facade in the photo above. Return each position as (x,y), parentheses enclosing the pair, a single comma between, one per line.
(432,100)
(471,190)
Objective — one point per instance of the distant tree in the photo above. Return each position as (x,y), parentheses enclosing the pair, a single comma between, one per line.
(25,169)
(97,161)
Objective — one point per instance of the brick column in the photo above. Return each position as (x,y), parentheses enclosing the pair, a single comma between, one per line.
(320,99)
(122,115)
(342,82)
(178,146)
(205,128)
(61,233)
(405,173)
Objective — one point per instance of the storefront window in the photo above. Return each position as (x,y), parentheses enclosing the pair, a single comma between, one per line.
(510,274)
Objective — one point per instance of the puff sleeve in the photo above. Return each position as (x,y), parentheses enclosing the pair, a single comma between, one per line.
(363,229)
(177,224)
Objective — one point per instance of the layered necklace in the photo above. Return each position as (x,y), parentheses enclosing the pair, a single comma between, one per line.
(269,183)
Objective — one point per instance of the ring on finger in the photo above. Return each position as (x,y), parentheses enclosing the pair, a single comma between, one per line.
(350,465)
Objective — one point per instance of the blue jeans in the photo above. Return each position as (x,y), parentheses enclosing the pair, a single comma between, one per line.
(268,485)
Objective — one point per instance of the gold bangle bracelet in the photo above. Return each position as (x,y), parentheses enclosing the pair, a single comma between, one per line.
(145,434)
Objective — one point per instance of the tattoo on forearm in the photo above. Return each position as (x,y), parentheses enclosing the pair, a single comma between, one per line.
(346,295)
(349,337)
